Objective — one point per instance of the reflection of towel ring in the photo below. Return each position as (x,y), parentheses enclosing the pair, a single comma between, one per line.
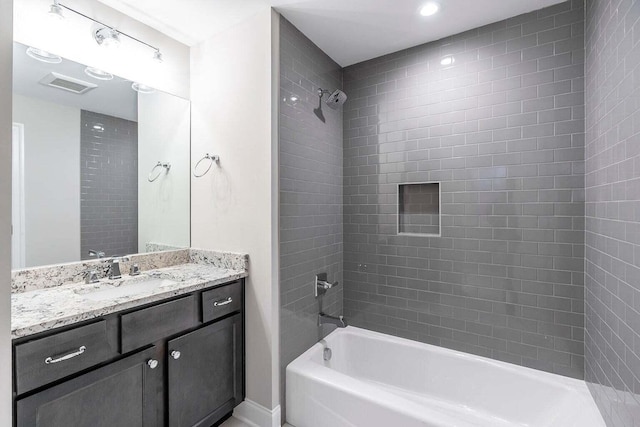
(212,159)
(166,166)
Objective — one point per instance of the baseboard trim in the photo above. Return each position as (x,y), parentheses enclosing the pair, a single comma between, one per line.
(257,415)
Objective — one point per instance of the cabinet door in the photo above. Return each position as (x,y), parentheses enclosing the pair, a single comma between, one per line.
(206,380)
(123,393)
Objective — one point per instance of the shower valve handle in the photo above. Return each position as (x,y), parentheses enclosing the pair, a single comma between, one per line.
(322,285)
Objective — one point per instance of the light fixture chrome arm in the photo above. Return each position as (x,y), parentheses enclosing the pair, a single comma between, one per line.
(56,9)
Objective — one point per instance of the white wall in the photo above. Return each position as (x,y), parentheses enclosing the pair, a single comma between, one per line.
(6,48)
(51,180)
(163,135)
(72,39)
(232,209)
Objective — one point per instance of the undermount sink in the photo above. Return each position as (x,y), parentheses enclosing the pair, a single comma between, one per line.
(111,292)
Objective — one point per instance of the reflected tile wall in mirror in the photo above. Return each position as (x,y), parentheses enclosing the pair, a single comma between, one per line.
(109,184)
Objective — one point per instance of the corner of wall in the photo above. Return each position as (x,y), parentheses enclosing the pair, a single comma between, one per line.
(275,207)
(6,53)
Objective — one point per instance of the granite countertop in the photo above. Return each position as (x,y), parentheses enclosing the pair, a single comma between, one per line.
(43,309)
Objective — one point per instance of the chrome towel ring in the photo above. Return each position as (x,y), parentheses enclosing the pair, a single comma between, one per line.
(165,166)
(212,159)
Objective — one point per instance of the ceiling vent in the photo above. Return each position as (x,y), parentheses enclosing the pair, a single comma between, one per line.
(67,83)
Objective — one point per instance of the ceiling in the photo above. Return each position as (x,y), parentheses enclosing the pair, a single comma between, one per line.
(350,31)
(111,97)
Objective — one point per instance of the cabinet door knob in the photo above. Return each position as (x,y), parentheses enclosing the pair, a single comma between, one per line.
(175,354)
(153,363)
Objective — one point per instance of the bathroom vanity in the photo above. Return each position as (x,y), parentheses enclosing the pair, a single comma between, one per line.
(162,349)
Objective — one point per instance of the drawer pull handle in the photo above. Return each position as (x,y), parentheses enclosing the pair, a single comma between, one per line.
(51,360)
(153,364)
(225,302)
(175,354)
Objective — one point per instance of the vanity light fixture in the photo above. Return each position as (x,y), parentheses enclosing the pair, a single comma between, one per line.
(430,8)
(43,56)
(55,11)
(98,74)
(106,36)
(140,88)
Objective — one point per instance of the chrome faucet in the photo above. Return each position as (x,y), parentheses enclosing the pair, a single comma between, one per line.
(97,254)
(90,276)
(321,287)
(325,319)
(114,267)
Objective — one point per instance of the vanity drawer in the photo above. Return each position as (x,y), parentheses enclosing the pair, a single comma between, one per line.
(48,359)
(221,301)
(149,325)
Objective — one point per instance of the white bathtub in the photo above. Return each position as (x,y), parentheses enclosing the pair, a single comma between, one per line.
(376,380)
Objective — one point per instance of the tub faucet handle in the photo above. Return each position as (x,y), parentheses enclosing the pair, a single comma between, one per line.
(322,285)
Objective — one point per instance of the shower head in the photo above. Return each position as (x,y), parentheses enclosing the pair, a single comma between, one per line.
(335,99)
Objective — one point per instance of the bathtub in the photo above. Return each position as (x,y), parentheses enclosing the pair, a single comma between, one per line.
(376,380)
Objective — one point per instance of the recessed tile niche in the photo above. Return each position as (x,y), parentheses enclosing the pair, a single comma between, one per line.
(419,209)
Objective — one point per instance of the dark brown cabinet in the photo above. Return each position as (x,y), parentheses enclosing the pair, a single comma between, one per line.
(205,373)
(177,363)
(122,393)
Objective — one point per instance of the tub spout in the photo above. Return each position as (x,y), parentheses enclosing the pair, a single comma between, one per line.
(325,319)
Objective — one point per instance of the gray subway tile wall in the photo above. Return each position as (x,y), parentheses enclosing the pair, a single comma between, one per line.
(108,184)
(612,338)
(502,130)
(310,179)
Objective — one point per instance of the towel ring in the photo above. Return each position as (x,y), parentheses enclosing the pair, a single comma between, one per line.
(166,166)
(212,159)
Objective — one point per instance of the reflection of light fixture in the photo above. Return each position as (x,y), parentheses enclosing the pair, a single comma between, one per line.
(140,88)
(447,60)
(55,11)
(429,9)
(107,37)
(98,74)
(43,56)
(98,127)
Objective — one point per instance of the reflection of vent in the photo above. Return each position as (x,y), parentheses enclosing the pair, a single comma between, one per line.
(67,83)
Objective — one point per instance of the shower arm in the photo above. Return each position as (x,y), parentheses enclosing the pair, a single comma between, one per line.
(322,92)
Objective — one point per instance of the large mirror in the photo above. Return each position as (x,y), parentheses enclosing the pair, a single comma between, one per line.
(100,164)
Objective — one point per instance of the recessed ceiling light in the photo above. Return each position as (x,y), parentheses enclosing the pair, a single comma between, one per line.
(98,74)
(140,88)
(429,9)
(447,60)
(43,56)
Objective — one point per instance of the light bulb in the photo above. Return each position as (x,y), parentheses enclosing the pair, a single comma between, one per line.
(447,60)
(429,9)
(107,37)
(55,12)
